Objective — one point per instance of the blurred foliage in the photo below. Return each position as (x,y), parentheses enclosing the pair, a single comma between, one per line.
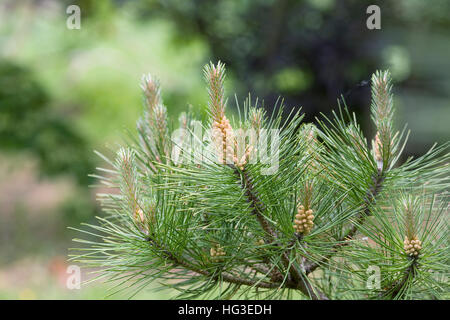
(312,51)
(93,74)
(77,208)
(27,123)
(304,51)
(22,100)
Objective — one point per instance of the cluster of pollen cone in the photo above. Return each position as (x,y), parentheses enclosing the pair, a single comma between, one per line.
(412,246)
(304,220)
(222,133)
(243,161)
(224,140)
(217,252)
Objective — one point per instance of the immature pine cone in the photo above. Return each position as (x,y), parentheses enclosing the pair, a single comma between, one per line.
(303,222)
(412,247)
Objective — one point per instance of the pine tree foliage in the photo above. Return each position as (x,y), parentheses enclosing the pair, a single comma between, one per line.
(251,206)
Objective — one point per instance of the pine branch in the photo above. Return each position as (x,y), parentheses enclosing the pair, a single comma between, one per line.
(197,222)
(255,203)
(225,277)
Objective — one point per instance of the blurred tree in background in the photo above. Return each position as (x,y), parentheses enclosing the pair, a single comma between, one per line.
(310,52)
(31,129)
(27,123)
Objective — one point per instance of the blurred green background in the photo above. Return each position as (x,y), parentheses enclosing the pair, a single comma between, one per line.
(65,93)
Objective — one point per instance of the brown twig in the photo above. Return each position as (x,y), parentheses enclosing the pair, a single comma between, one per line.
(225,277)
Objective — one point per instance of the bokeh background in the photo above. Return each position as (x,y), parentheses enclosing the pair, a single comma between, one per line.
(65,93)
